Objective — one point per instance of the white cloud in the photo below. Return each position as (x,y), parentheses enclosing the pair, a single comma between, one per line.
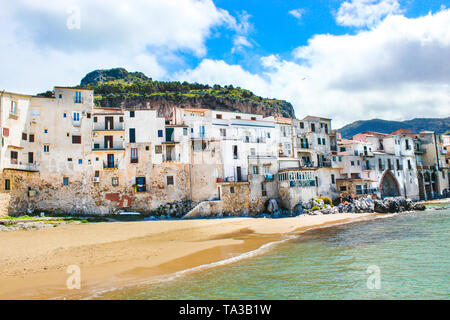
(397,70)
(239,42)
(137,35)
(361,13)
(297,13)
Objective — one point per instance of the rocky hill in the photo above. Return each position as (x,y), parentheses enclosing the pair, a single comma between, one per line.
(439,125)
(120,88)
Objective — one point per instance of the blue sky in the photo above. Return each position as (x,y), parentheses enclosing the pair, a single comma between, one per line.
(343,59)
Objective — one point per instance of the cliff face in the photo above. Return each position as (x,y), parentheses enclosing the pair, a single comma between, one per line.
(164,104)
(119,88)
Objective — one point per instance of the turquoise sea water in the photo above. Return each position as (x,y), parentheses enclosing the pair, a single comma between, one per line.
(412,253)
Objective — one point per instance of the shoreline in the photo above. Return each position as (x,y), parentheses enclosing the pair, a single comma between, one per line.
(122,254)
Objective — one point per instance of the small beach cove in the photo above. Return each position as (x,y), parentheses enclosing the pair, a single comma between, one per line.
(34,263)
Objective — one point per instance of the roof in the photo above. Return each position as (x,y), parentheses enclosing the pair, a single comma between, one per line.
(315,118)
(283,120)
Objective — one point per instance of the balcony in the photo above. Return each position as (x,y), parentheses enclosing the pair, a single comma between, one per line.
(254,140)
(381,167)
(99,148)
(33,167)
(268,177)
(325,164)
(110,165)
(368,167)
(101,128)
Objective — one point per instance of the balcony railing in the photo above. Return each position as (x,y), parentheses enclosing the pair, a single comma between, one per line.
(325,164)
(22,166)
(110,165)
(367,167)
(117,127)
(268,177)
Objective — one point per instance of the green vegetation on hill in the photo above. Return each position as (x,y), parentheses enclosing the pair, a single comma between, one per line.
(439,125)
(117,86)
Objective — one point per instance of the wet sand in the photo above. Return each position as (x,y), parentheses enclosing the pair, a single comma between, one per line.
(33,264)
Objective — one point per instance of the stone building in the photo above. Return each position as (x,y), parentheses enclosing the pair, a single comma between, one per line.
(379,164)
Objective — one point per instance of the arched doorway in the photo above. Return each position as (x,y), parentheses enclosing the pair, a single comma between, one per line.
(389,185)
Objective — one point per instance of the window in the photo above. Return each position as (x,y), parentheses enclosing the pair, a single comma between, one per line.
(7,184)
(115,181)
(6,132)
(359,163)
(340,159)
(160,133)
(30,157)
(88,115)
(77,96)
(131,114)
(313,127)
(323,141)
(264,190)
(140,184)
(231,189)
(170,180)
(76,139)
(408,147)
(132,135)
(64,115)
(158,149)
(60,96)
(333,180)
(252,151)
(24,136)
(235,152)
(14,156)
(46,148)
(218,116)
(358,189)
(223,132)
(65,181)
(13,107)
(76,116)
(134,155)
(409,165)
(319,141)
(302,125)
(69,159)
(253,118)
(255,170)
(31,138)
(80,161)
(343,188)
(185,131)
(238,117)
(352,163)
(120,119)
(342,149)
(95,119)
(97,173)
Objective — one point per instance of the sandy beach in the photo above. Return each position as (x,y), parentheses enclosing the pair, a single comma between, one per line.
(33,264)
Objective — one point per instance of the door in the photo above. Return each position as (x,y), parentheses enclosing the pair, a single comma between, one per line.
(109,123)
(30,157)
(238,173)
(110,160)
(109,142)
